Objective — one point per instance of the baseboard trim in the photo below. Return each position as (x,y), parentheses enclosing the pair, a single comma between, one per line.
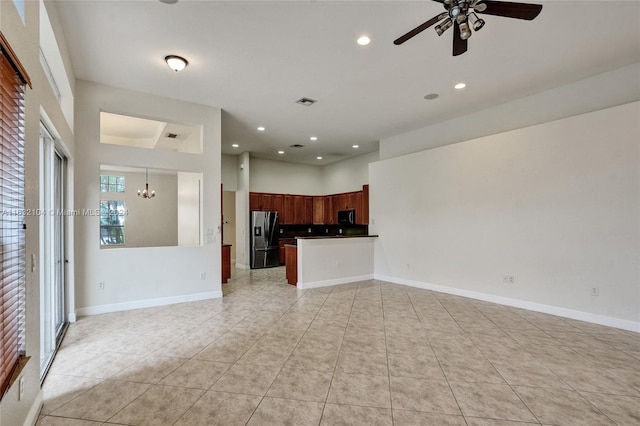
(34,411)
(147,303)
(243,267)
(516,303)
(335,281)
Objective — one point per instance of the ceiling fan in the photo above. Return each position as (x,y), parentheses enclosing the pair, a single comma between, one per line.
(462,15)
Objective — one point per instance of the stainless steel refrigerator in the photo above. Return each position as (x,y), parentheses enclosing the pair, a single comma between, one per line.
(265,252)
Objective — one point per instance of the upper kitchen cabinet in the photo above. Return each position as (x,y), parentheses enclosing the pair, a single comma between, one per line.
(277,204)
(316,210)
(329,218)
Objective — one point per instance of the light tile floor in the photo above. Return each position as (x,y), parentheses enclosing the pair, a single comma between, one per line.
(370,353)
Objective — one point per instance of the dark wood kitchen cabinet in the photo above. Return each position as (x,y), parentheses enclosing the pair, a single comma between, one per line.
(308,211)
(226,263)
(329,218)
(255,201)
(278,205)
(317,210)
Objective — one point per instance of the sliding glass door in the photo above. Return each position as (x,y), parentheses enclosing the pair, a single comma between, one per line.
(53,295)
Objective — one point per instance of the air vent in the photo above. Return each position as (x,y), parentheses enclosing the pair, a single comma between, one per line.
(297,145)
(172,135)
(306,101)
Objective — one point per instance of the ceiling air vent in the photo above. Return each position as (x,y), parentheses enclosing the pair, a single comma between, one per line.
(172,135)
(297,145)
(306,101)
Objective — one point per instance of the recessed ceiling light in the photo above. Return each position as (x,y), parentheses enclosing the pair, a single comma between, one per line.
(175,62)
(313,138)
(355,146)
(280,152)
(460,86)
(431,96)
(235,145)
(364,40)
(319,158)
(261,129)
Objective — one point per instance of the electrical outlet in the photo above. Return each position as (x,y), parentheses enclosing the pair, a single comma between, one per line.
(508,279)
(20,388)
(203,275)
(512,279)
(101,285)
(595,291)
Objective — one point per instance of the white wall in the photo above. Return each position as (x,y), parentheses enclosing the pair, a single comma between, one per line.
(189,208)
(230,172)
(604,90)
(347,175)
(40,101)
(285,178)
(556,205)
(243,255)
(137,277)
(229,215)
(149,223)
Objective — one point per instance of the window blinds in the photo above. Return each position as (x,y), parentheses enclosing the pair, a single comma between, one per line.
(12,234)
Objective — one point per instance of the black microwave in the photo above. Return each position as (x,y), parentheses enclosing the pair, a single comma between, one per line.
(347,217)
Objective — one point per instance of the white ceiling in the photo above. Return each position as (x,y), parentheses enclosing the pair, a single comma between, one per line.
(255,59)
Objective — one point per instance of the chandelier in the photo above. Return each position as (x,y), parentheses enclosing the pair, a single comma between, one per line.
(145,193)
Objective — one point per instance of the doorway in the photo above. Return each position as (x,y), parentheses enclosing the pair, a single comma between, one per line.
(53,322)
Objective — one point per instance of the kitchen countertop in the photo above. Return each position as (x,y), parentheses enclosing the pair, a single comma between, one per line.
(325,237)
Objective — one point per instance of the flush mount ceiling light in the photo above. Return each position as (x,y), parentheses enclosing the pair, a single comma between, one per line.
(235,145)
(431,96)
(313,138)
(306,101)
(363,41)
(319,158)
(280,152)
(355,146)
(460,86)
(261,129)
(175,62)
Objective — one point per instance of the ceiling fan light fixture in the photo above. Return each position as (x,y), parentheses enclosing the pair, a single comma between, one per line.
(465,31)
(444,26)
(476,22)
(176,63)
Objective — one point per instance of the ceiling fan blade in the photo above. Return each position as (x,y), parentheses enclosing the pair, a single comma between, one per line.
(420,28)
(511,10)
(459,45)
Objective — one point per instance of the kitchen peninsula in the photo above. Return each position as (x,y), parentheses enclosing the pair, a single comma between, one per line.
(331,260)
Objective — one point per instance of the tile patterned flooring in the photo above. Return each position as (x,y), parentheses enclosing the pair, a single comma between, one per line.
(369,353)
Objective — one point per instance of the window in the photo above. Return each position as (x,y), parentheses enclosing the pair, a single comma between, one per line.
(112,214)
(111,183)
(12,235)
